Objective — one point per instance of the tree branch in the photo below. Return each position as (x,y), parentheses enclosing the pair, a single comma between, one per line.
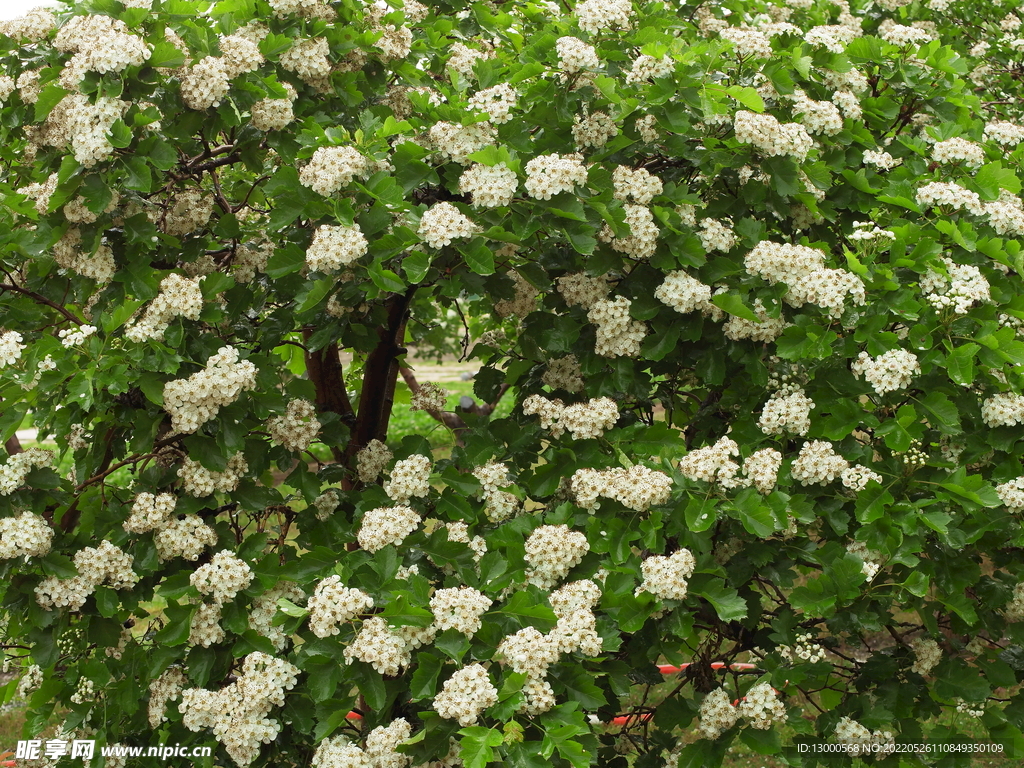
(41,299)
(324,369)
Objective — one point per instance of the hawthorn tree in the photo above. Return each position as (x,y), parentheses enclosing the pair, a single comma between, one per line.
(748,273)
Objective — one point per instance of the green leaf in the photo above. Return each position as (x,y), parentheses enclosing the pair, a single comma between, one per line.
(530,610)
(734,305)
(960,364)
(746,96)
(166,54)
(476,747)
(479,257)
(107,602)
(401,613)
(383,278)
(992,177)
(727,602)
(423,684)
(317,292)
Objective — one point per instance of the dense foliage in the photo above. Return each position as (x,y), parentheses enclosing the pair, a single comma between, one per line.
(749,273)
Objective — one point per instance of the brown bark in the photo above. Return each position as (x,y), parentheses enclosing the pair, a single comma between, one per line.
(324,368)
(377,396)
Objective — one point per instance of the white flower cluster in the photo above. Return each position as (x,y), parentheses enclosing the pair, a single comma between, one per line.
(1010,493)
(684,293)
(524,301)
(964,287)
(593,130)
(33,26)
(1004,133)
(10,348)
(646,126)
(99,44)
(459,531)
(597,15)
(185,538)
(643,233)
(647,68)
(856,477)
(274,114)
(409,477)
(582,420)
(576,628)
(871,561)
(201,482)
(1006,215)
(946,193)
(665,577)
(429,397)
(958,150)
(381,745)
(179,297)
(638,487)
(334,247)
(1005,409)
(786,412)
(805,649)
(859,741)
(326,504)
(712,463)
(927,655)
(716,715)
(150,512)
(761,706)
(637,185)
(331,168)
(163,689)
(748,42)
(223,577)
(766,329)
(206,84)
(1014,610)
(901,35)
(491,186)
(371,460)
(463,58)
(332,604)
(772,137)
(564,373)
(188,211)
(30,681)
(716,236)
(618,335)
(459,608)
(552,551)
(442,223)
(574,55)
(500,504)
(96,565)
(14,472)
(265,609)
(380,646)
(386,525)
(194,401)
(866,230)
(818,117)
(803,271)
(818,464)
(578,289)
(27,535)
(549,175)
(307,58)
(762,469)
(238,714)
(205,629)
(497,101)
(881,160)
(458,142)
(298,428)
(73,337)
(465,695)
(888,372)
